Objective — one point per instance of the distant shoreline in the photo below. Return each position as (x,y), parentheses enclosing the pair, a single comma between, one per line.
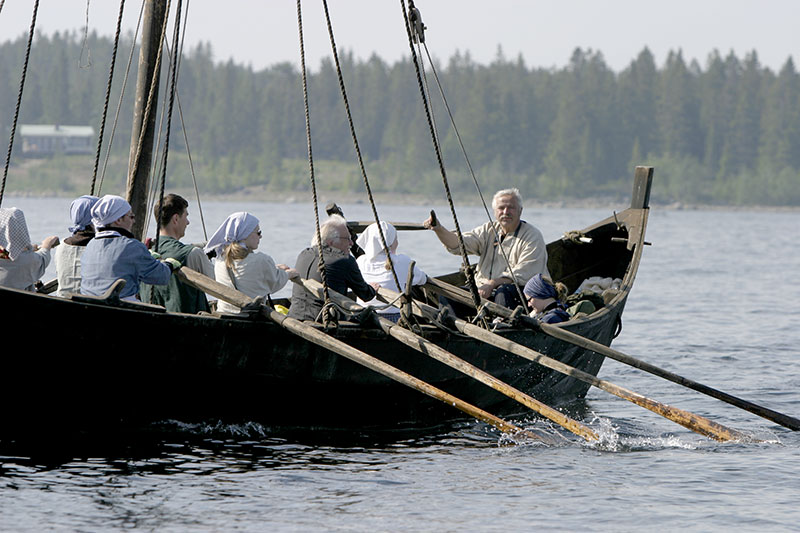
(324,197)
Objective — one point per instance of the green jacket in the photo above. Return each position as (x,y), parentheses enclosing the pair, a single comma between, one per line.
(176,296)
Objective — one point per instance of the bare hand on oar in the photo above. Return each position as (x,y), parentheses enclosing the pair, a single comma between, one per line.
(431,222)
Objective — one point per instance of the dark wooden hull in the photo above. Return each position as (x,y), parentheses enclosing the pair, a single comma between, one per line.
(119,364)
(89,363)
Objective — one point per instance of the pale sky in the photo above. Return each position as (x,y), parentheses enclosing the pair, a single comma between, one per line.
(264,32)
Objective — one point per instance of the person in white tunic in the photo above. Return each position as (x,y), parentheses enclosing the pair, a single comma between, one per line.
(22,264)
(511,250)
(239,266)
(68,255)
(375,266)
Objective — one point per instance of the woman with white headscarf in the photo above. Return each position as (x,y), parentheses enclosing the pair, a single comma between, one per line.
(239,266)
(21,263)
(375,266)
(68,255)
(115,253)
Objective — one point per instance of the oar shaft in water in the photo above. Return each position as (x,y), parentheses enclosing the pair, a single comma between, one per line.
(573,338)
(696,423)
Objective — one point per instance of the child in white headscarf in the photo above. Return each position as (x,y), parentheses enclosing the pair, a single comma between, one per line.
(375,266)
(239,266)
(21,263)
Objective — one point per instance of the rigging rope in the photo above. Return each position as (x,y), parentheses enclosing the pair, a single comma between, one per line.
(156,168)
(472,173)
(150,97)
(327,317)
(85,44)
(355,143)
(121,97)
(19,99)
(173,84)
(467,268)
(108,91)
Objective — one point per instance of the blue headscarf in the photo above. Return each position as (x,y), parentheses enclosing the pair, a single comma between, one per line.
(108,209)
(538,287)
(236,228)
(80,211)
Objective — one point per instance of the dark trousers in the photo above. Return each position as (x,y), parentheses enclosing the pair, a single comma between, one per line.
(505,295)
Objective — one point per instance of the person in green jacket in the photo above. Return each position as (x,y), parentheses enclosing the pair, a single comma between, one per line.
(178,296)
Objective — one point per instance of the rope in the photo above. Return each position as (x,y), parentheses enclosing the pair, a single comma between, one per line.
(150,97)
(467,268)
(85,44)
(185,136)
(326,317)
(121,97)
(108,91)
(173,84)
(474,179)
(19,100)
(355,143)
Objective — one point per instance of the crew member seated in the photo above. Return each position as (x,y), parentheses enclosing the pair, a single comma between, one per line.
(341,271)
(115,253)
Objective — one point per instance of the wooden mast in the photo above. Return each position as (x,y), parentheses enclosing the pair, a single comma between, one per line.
(139,171)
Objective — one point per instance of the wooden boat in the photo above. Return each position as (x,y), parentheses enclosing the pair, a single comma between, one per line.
(89,361)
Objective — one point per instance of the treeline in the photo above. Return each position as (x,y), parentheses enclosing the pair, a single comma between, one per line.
(726,132)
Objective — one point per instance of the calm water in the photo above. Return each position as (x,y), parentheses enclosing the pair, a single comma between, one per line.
(717,299)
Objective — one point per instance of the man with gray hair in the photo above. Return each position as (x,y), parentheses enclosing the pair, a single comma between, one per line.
(511,250)
(341,270)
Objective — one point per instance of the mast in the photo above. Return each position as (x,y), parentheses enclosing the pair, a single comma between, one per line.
(139,171)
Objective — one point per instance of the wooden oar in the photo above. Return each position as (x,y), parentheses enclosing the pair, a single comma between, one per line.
(430,349)
(49,287)
(359,226)
(567,336)
(320,338)
(696,423)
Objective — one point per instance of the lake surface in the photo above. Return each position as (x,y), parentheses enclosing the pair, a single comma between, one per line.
(717,299)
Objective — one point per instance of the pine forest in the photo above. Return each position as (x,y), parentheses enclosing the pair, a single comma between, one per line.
(724,132)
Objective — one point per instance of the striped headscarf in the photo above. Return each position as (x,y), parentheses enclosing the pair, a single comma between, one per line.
(14,236)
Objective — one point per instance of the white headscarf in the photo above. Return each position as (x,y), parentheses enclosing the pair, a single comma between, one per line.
(370,241)
(80,212)
(236,228)
(14,236)
(108,209)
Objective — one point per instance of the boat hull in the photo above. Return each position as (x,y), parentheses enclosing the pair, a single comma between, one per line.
(114,365)
(91,363)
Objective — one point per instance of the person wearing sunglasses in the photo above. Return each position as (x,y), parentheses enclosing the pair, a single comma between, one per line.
(239,266)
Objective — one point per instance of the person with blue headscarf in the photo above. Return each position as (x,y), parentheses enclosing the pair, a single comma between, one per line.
(115,253)
(68,255)
(237,263)
(546,299)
